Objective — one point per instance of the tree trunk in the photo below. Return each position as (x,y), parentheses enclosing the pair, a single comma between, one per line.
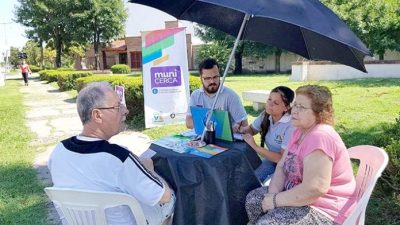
(238,60)
(381,56)
(41,54)
(58,51)
(278,54)
(96,51)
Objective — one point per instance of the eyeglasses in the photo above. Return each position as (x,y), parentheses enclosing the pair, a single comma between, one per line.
(300,107)
(211,78)
(113,107)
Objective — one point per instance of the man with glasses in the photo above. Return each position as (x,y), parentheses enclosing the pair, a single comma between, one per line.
(88,161)
(204,97)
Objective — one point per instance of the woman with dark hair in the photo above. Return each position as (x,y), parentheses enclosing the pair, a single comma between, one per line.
(24,71)
(313,182)
(275,129)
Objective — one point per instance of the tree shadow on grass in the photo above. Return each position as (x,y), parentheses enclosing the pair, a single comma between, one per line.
(360,136)
(70,100)
(54,91)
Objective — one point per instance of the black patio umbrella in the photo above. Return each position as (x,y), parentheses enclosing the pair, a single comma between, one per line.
(305,27)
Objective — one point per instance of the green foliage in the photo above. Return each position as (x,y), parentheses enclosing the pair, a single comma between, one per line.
(98,21)
(219,45)
(47,20)
(389,140)
(121,69)
(376,22)
(32,50)
(133,93)
(22,200)
(66,80)
(34,68)
(65,22)
(218,51)
(13,59)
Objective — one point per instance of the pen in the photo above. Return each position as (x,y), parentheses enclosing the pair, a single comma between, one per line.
(240,125)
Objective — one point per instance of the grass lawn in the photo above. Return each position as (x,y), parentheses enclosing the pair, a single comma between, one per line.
(361,106)
(22,200)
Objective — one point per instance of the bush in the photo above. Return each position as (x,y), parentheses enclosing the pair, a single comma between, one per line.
(66,80)
(389,140)
(133,93)
(121,68)
(34,68)
(52,75)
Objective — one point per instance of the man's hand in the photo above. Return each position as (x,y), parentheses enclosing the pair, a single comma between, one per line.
(148,164)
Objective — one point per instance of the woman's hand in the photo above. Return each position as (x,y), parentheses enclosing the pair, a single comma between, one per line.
(249,139)
(237,128)
(267,203)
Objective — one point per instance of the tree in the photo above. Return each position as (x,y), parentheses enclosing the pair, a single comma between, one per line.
(49,56)
(376,22)
(32,50)
(63,22)
(223,42)
(13,59)
(47,19)
(100,21)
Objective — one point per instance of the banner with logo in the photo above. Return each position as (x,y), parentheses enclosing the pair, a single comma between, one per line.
(165,76)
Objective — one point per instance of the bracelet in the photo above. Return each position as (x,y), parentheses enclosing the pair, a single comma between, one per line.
(274,200)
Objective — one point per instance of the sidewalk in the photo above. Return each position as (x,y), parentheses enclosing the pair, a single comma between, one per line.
(52,116)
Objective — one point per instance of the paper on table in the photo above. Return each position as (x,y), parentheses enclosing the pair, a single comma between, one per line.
(238,136)
(189,133)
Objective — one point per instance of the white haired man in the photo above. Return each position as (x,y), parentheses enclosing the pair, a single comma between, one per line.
(88,161)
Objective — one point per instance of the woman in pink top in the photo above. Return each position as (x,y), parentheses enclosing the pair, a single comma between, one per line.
(25,70)
(313,182)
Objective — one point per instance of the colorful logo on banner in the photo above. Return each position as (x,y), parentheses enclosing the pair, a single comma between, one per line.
(155,42)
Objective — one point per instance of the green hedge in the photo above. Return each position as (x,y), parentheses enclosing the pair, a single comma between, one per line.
(67,79)
(52,75)
(133,93)
(34,68)
(121,68)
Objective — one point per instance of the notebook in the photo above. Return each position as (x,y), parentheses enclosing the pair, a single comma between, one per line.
(220,118)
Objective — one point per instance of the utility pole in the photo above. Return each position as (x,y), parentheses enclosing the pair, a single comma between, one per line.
(6,45)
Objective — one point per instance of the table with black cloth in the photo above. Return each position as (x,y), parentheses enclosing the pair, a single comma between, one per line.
(209,190)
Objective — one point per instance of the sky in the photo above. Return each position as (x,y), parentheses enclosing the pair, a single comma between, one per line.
(13,34)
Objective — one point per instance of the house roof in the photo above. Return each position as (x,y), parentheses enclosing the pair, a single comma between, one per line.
(116,46)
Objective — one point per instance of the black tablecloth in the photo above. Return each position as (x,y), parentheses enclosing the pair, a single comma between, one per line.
(209,191)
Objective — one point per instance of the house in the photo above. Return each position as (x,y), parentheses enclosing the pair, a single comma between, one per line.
(127,50)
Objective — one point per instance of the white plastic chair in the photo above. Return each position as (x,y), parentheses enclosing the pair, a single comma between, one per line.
(83,207)
(373,161)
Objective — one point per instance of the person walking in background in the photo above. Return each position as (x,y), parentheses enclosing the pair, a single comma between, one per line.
(24,71)
(275,129)
(313,182)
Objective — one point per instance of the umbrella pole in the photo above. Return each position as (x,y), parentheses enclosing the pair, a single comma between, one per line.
(221,84)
